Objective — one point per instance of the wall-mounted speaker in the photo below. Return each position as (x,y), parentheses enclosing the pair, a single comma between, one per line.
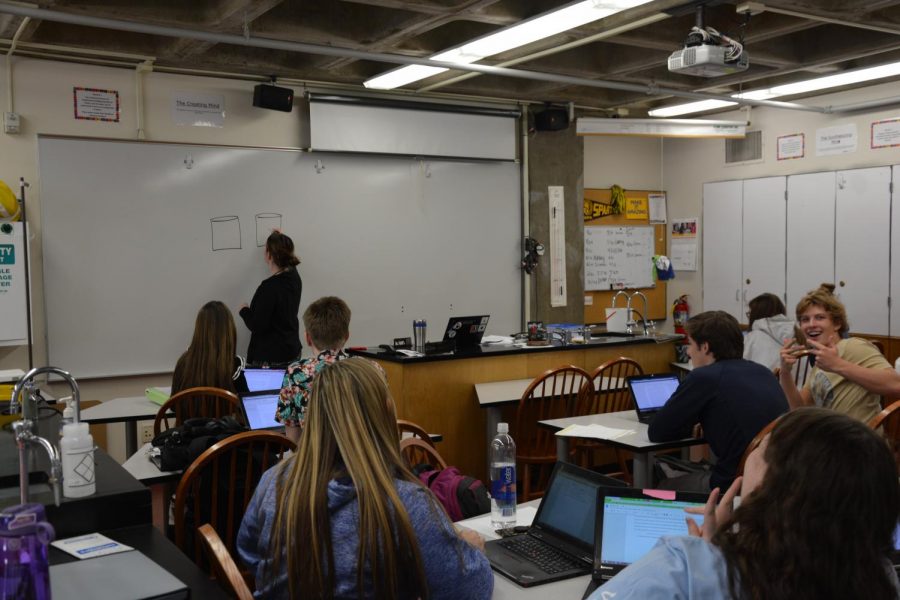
(551,119)
(273,97)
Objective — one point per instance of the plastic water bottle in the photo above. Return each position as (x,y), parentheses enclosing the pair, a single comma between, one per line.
(503,479)
(77,449)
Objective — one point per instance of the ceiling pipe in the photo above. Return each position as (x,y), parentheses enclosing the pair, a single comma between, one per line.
(859,106)
(820,18)
(269,44)
(9,78)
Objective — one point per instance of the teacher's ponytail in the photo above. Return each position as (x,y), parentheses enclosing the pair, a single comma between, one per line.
(281,250)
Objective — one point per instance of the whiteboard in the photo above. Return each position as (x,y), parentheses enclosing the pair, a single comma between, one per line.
(618,257)
(135,242)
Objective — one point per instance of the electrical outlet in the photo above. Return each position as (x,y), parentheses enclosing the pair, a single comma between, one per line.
(146,433)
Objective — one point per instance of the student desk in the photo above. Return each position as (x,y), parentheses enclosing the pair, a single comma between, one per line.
(636,442)
(438,392)
(123,410)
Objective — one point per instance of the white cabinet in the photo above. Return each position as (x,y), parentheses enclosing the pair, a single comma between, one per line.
(743,243)
(810,234)
(764,231)
(862,247)
(721,229)
(895,255)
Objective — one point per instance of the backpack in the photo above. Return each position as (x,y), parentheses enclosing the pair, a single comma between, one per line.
(180,446)
(462,496)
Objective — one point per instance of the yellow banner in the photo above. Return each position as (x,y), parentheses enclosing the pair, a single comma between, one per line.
(637,208)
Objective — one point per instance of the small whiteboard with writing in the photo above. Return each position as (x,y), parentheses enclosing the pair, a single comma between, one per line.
(617,257)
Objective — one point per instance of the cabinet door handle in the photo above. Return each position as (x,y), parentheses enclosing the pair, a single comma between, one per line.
(737,295)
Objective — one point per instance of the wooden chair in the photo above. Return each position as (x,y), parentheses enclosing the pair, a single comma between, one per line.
(552,395)
(414,431)
(754,444)
(418,452)
(195,402)
(223,566)
(607,391)
(217,487)
(889,421)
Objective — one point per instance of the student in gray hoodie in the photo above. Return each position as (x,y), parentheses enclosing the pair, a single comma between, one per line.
(346,518)
(769,328)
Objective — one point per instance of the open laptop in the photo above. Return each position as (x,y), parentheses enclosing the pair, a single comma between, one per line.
(466,332)
(651,392)
(559,544)
(259,409)
(259,380)
(629,523)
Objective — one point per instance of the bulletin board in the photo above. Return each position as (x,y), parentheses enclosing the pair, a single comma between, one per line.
(597,301)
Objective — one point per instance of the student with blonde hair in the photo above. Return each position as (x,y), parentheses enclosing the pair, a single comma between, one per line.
(850,375)
(346,518)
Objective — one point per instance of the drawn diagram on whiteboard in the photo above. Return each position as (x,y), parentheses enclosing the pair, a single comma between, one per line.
(265,223)
(226,232)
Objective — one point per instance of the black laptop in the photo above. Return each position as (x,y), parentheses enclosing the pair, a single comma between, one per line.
(259,409)
(651,392)
(559,544)
(629,523)
(466,332)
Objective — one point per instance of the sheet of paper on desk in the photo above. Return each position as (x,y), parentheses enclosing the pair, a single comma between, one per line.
(482,524)
(90,546)
(594,431)
(497,339)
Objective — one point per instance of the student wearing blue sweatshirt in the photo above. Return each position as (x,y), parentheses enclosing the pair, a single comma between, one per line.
(820,502)
(346,518)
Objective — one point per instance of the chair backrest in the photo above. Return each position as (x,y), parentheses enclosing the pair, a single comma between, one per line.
(224,567)
(608,389)
(414,431)
(196,402)
(417,452)
(218,486)
(552,395)
(754,444)
(889,421)
(878,344)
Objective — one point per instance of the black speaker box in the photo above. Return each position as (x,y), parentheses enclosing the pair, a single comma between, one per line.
(276,98)
(551,119)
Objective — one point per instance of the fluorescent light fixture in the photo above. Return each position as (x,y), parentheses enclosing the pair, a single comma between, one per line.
(526,32)
(788,89)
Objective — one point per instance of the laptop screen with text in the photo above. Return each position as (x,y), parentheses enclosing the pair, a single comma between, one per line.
(652,393)
(260,410)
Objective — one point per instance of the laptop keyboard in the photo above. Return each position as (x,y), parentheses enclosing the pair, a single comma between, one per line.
(547,558)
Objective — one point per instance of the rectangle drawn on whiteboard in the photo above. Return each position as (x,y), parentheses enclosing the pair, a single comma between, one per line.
(618,257)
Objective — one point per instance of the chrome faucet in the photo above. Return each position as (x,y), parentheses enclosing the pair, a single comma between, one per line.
(648,325)
(24,429)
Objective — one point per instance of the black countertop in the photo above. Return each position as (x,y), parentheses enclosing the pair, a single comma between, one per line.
(602,341)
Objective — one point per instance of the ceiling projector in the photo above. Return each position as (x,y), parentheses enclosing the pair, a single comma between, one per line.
(708,53)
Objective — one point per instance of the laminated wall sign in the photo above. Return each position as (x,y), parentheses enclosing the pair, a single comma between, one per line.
(13,309)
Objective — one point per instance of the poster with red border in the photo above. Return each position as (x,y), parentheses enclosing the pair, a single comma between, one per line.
(93,104)
(885,134)
(791,146)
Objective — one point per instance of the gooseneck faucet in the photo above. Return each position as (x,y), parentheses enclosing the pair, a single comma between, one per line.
(648,325)
(24,428)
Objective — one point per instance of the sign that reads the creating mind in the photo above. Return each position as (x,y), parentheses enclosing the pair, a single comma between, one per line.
(198,110)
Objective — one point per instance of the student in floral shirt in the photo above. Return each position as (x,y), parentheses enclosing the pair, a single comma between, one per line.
(327,323)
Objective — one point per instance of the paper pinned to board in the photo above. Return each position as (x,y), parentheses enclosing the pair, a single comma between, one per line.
(594,431)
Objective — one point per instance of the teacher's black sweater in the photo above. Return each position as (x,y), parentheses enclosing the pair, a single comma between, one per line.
(272,319)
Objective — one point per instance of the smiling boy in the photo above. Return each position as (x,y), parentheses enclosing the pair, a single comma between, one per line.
(850,375)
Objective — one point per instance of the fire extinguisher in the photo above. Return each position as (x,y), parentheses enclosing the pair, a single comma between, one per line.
(680,313)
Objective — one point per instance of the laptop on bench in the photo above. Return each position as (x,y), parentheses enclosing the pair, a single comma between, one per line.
(466,332)
(651,392)
(559,544)
(629,523)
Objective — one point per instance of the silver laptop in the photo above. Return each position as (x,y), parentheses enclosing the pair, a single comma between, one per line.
(259,409)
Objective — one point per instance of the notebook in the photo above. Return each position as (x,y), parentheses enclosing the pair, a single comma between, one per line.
(259,409)
(559,544)
(651,392)
(259,380)
(466,332)
(629,523)
(107,578)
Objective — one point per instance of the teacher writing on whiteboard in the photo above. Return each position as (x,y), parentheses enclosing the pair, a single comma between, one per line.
(271,316)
